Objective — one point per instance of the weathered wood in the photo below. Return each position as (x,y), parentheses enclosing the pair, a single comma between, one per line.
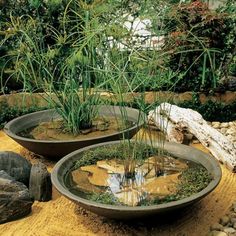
(187,119)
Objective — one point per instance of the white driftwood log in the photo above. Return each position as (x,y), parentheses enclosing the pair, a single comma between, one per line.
(218,144)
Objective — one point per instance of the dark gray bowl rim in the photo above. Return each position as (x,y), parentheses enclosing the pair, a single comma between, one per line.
(7,128)
(64,191)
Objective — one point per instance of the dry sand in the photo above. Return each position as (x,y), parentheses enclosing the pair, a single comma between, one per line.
(61,217)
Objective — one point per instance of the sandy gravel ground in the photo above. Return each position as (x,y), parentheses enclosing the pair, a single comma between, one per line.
(61,217)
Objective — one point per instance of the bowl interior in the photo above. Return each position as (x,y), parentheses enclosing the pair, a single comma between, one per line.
(181,151)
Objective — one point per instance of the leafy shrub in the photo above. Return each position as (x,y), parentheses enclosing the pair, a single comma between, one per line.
(212,111)
(200,41)
(8,113)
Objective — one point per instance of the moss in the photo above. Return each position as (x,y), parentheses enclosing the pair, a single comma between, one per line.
(104,198)
(114,151)
(192,181)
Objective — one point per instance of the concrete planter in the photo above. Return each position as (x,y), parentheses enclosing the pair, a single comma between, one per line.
(57,149)
(126,212)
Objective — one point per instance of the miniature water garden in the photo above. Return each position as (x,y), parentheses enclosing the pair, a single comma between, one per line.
(118,117)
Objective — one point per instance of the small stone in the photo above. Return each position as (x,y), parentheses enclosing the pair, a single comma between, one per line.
(234,225)
(224,125)
(217,233)
(234,207)
(231,124)
(230,131)
(224,220)
(230,137)
(216,124)
(40,186)
(196,141)
(188,136)
(232,214)
(86,131)
(229,230)
(223,130)
(233,220)
(16,166)
(217,227)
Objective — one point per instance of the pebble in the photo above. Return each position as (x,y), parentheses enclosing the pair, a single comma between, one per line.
(216,124)
(224,125)
(230,131)
(226,225)
(217,227)
(223,130)
(229,230)
(226,128)
(196,141)
(217,233)
(224,220)
(233,220)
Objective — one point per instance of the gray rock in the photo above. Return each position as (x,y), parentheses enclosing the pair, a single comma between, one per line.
(224,220)
(217,227)
(40,185)
(16,166)
(233,220)
(15,200)
(229,230)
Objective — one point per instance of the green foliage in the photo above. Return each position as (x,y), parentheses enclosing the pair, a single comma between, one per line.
(10,112)
(211,110)
(200,41)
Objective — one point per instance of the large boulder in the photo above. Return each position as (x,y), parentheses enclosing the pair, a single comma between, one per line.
(16,166)
(40,185)
(15,200)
